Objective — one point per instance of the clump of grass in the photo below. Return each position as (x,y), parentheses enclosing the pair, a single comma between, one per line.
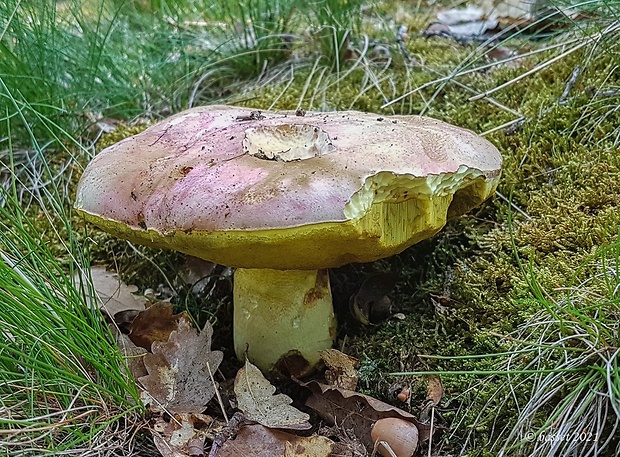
(246,39)
(63,382)
(565,360)
(336,24)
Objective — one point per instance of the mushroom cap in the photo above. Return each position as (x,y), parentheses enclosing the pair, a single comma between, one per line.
(283,191)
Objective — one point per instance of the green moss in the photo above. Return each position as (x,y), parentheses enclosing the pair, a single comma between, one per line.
(121,132)
(567,188)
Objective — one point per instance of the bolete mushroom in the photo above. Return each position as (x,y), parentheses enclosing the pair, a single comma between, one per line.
(283,197)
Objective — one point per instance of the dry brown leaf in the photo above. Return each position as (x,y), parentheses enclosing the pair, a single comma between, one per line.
(134,355)
(113,295)
(178,378)
(259,441)
(155,323)
(124,318)
(341,370)
(434,389)
(371,303)
(256,399)
(183,435)
(352,410)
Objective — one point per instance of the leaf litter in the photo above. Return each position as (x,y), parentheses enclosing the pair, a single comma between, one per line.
(175,366)
(112,295)
(256,399)
(260,441)
(341,369)
(491,21)
(154,324)
(180,378)
(353,410)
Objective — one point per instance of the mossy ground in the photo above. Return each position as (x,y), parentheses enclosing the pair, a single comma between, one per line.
(462,289)
(466,287)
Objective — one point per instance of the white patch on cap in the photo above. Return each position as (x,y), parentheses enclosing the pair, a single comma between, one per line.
(287,142)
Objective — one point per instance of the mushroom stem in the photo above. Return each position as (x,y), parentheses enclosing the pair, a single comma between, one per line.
(282,318)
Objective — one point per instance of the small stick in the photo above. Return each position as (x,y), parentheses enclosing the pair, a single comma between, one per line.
(534,70)
(217,394)
(401,43)
(430,438)
(253,116)
(228,432)
(385,446)
(569,85)
(506,126)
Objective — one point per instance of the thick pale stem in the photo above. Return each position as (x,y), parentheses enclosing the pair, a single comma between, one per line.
(282,318)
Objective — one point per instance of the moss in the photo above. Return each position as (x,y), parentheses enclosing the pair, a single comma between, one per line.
(121,132)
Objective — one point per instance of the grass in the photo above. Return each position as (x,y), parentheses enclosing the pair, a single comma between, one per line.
(556,390)
(546,334)
(63,379)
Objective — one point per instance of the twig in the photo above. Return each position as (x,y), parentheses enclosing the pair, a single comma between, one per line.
(594,93)
(536,69)
(508,127)
(569,85)
(227,433)
(401,44)
(430,438)
(217,393)
(456,73)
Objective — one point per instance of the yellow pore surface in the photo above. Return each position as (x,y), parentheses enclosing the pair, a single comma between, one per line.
(385,228)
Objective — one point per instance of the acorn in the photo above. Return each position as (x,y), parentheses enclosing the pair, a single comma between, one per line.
(400,435)
(404,394)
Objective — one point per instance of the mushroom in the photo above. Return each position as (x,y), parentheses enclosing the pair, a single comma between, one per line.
(282,198)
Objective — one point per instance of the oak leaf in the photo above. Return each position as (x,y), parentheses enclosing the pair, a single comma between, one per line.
(179,378)
(256,399)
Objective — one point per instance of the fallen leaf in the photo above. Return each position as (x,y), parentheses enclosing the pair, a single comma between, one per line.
(474,29)
(434,389)
(357,411)
(155,323)
(123,319)
(464,33)
(528,10)
(134,355)
(113,295)
(182,435)
(256,399)
(459,15)
(508,17)
(259,441)
(371,304)
(178,378)
(341,370)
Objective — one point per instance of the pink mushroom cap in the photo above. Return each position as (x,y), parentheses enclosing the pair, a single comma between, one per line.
(276,190)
